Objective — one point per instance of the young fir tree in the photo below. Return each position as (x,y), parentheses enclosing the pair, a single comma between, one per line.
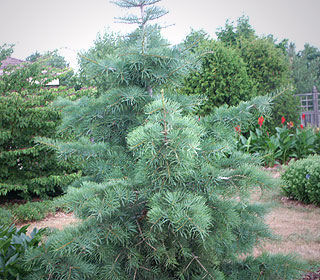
(27,168)
(165,195)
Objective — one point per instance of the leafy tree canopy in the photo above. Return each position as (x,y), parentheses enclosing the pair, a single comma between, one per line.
(306,69)
(27,168)
(232,34)
(52,58)
(267,61)
(5,51)
(266,64)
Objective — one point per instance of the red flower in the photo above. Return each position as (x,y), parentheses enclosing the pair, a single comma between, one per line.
(283,120)
(303,116)
(238,129)
(301,125)
(260,121)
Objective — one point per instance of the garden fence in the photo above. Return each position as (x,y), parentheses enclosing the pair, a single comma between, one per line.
(309,103)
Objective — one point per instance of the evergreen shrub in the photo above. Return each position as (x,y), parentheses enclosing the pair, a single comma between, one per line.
(284,104)
(33,211)
(5,217)
(302,180)
(222,79)
(28,168)
(165,196)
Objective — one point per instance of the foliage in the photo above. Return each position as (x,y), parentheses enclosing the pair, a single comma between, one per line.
(266,64)
(301,180)
(167,198)
(266,60)
(222,78)
(238,66)
(28,168)
(33,57)
(6,218)
(105,46)
(195,39)
(232,34)
(52,59)
(33,211)
(5,51)
(13,245)
(284,104)
(279,147)
(55,60)
(306,69)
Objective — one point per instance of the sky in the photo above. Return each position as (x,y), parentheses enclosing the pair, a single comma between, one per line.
(72,25)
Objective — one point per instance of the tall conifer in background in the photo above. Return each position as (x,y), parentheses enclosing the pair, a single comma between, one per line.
(165,195)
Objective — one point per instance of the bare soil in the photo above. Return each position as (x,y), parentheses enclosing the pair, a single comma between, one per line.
(59,220)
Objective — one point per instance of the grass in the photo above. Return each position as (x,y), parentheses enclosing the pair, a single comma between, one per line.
(27,211)
(296,226)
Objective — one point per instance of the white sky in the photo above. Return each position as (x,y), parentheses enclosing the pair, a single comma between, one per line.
(72,25)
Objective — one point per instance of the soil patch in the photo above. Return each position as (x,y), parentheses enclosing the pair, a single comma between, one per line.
(59,220)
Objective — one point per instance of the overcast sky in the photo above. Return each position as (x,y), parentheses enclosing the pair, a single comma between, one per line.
(72,25)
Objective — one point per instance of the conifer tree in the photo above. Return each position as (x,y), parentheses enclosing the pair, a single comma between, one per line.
(165,195)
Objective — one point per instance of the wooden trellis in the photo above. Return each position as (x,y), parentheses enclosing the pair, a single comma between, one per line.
(309,103)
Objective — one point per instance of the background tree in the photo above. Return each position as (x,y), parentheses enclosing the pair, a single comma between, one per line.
(232,34)
(155,217)
(27,168)
(306,69)
(266,64)
(55,60)
(194,39)
(222,78)
(105,46)
(52,58)
(33,57)
(5,51)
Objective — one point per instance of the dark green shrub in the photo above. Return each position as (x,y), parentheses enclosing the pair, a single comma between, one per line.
(302,180)
(33,211)
(267,66)
(285,104)
(13,245)
(223,77)
(5,217)
(28,168)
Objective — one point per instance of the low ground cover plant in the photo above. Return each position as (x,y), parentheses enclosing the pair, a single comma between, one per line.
(33,211)
(302,180)
(28,211)
(6,217)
